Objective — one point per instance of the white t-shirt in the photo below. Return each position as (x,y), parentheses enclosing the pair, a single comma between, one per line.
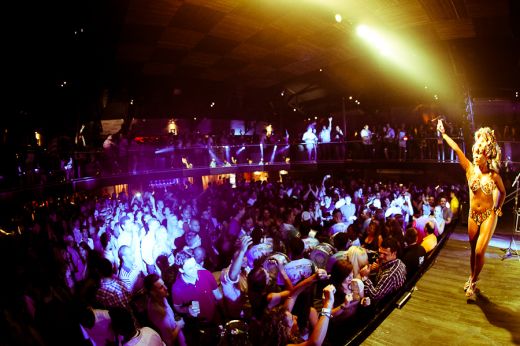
(338,227)
(146,337)
(147,245)
(325,135)
(101,332)
(366,136)
(309,137)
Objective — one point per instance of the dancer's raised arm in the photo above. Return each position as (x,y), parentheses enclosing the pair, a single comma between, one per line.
(464,162)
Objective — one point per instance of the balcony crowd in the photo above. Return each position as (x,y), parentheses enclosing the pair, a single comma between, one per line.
(122,152)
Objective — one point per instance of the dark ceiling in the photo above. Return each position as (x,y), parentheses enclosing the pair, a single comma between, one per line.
(176,57)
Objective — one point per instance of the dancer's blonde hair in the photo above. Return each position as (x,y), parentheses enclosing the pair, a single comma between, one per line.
(486,143)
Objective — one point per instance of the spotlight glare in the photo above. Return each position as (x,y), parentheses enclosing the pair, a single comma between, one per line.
(363,31)
(375,39)
(338,18)
(384,51)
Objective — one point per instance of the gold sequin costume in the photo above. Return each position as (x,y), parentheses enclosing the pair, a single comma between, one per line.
(487,188)
(479,217)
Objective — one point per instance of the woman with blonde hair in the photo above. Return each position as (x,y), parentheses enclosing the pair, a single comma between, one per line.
(358,257)
(486,196)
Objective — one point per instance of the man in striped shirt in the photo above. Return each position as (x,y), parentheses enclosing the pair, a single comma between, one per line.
(391,273)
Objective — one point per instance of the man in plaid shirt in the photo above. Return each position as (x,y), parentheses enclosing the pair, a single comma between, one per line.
(391,273)
(112,292)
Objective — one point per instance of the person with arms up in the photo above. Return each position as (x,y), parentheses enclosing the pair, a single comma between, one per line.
(485,206)
(279,325)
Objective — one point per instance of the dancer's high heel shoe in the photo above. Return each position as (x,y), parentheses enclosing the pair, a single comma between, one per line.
(472,292)
(468,283)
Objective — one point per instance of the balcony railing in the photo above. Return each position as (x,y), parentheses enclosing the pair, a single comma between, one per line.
(42,168)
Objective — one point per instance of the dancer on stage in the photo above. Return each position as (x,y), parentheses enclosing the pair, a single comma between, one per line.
(485,205)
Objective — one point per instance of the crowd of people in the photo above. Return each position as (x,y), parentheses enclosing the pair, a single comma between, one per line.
(259,263)
(122,152)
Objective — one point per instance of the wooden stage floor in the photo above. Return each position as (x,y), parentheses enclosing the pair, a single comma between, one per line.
(438,313)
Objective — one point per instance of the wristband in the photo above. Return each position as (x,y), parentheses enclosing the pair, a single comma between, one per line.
(326,314)
(498,211)
(326,310)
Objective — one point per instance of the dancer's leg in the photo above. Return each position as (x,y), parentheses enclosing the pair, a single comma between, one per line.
(486,232)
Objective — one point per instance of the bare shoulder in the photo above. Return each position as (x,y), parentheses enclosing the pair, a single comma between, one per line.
(495,176)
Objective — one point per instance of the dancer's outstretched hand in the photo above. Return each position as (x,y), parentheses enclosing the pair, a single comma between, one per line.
(440,127)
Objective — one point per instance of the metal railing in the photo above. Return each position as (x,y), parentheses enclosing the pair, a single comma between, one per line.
(147,157)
